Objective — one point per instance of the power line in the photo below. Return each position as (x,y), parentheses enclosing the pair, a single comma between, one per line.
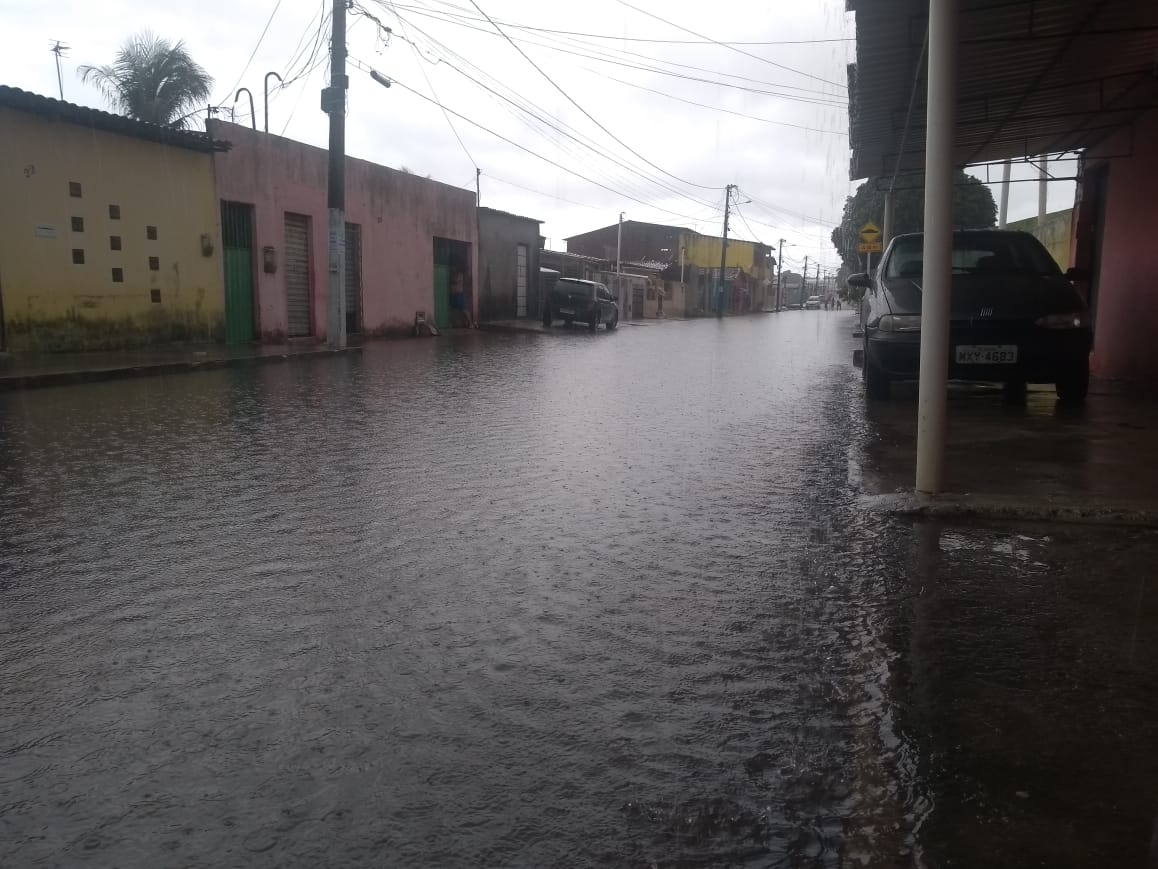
(541,157)
(718,108)
(589,116)
(730,47)
(260,39)
(614,37)
(595,53)
(430,85)
(541,117)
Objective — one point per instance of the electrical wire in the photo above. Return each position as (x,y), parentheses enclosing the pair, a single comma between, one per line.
(260,39)
(743,220)
(718,108)
(533,153)
(589,116)
(731,47)
(611,36)
(540,116)
(433,92)
(595,53)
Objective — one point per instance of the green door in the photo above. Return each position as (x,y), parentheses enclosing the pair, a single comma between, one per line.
(442,296)
(237,255)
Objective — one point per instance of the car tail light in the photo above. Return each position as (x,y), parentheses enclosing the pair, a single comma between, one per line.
(1077,320)
(900,323)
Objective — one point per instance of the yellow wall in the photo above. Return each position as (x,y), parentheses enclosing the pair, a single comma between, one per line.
(49,302)
(704,251)
(1054,234)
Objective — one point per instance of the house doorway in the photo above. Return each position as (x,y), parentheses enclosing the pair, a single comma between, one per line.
(238,262)
(453,287)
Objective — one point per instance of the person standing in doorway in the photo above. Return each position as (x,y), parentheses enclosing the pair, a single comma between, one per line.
(459,303)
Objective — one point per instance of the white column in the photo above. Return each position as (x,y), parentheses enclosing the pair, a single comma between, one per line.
(1042,194)
(932,401)
(1003,212)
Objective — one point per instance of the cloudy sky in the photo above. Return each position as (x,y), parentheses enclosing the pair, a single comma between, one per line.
(602,106)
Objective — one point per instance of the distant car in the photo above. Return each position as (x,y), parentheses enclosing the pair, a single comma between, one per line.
(813,303)
(1014,317)
(586,301)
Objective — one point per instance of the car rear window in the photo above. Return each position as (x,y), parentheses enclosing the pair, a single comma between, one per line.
(976,253)
(572,286)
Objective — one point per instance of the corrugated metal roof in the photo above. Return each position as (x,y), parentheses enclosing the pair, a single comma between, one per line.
(1034,77)
(47,107)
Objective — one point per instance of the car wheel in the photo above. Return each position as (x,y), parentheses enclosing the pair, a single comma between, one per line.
(613,322)
(1074,384)
(876,382)
(547,316)
(593,323)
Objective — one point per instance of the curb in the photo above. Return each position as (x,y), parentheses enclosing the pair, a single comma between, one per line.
(1014,509)
(17,382)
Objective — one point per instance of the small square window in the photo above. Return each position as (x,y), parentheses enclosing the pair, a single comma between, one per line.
(151,233)
(118,276)
(78,224)
(114,212)
(155,296)
(78,257)
(154,264)
(74,189)
(114,242)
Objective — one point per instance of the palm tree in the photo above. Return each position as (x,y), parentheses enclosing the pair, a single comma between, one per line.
(153,80)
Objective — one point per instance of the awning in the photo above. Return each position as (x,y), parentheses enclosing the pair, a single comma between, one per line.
(1035,77)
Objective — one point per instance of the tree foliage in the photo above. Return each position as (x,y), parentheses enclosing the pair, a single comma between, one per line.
(153,80)
(973,207)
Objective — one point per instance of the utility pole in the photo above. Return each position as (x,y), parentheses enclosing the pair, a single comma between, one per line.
(619,267)
(724,249)
(59,49)
(817,285)
(477,186)
(779,270)
(804,282)
(334,104)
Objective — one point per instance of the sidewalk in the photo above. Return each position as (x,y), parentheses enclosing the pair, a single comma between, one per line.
(34,370)
(1041,460)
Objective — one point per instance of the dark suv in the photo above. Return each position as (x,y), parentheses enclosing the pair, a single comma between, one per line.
(586,301)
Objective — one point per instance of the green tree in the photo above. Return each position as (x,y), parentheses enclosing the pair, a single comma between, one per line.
(973,207)
(153,80)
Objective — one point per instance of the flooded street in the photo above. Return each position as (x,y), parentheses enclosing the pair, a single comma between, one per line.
(566,600)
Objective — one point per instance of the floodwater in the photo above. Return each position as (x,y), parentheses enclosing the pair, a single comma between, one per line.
(565,600)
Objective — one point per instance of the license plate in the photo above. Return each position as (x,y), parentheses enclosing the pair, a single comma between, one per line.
(986,354)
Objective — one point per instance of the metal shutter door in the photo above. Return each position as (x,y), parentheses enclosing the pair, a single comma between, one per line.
(521,282)
(297,274)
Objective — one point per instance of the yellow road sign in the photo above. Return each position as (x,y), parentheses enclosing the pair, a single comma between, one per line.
(870,239)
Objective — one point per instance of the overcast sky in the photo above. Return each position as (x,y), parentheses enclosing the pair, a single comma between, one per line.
(773,117)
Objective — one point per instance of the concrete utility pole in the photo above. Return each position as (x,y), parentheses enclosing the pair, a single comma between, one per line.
(477,187)
(1003,211)
(932,395)
(334,104)
(724,249)
(804,282)
(1042,194)
(779,270)
(619,294)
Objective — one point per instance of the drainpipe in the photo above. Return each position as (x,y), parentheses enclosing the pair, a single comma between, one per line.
(932,401)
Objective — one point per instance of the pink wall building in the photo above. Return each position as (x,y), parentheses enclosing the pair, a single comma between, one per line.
(1114,239)
(406,235)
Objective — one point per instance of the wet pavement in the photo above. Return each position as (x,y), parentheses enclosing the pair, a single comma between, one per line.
(566,600)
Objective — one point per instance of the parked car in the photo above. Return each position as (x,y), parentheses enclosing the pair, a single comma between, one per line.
(586,301)
(812,304)
(1014,317)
